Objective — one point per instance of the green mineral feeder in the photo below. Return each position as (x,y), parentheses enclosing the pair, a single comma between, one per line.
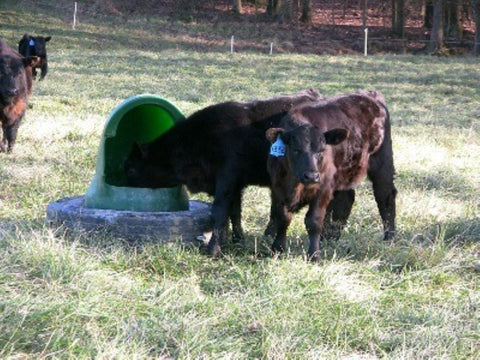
(138,119)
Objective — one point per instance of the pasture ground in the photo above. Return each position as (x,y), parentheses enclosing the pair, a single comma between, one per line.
(97,297)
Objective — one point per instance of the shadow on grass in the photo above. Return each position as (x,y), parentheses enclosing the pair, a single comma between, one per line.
(444,181)
(419,250)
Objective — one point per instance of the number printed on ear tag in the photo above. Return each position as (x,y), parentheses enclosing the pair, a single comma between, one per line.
(278,148)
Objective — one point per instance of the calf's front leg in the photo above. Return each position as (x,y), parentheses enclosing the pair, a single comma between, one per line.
(44,69)
(10,135)
(281,220)
(271,228)
(314,223)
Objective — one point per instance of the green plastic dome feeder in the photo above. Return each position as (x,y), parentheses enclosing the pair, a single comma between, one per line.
(111,207)
(139,119)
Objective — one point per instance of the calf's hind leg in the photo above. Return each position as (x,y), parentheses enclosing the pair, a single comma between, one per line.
(10,135)
(381,172)
(385,195)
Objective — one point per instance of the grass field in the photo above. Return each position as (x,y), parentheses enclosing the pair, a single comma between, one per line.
(416,297)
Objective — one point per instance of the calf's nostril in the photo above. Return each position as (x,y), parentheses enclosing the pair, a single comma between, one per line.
(311,177)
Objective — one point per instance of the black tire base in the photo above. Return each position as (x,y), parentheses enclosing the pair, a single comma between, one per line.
(71,214)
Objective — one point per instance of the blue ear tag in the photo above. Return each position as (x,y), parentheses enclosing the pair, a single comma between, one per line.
(278,148)
(31,42)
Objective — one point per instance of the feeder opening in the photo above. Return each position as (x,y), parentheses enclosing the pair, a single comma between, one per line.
(142,124)
(139,119)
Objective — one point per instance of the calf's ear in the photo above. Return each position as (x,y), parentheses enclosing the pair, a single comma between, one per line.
(23,39)
(272,134)
(335,136)
(48,38)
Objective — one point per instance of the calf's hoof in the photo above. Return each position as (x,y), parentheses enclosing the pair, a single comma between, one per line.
(278,248)
(315,257)
(213,250)
(270,230)
(389,235)
(238,237)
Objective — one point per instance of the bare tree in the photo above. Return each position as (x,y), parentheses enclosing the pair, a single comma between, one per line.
(427,12)
(284,10)
(476,15)
(436,44)
(272,7)
(453,24)
(306,11)
(398,17)
(237,6)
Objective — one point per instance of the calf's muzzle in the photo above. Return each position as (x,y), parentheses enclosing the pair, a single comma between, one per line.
(310,177)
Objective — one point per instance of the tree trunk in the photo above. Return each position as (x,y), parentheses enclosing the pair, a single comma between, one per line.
(273,7)
(306,11)
(476,15)
(285,11)
(428,14)
(281,10)
(398,17)
(237,6)
(270,7)
(364,13)
(437,40)
(453,24)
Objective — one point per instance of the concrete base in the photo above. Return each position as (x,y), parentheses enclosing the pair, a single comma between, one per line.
(190,225)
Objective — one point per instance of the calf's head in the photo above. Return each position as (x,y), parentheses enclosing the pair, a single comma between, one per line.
(33,46)
(9,69)
(304,148)
(149,169)
(11,78)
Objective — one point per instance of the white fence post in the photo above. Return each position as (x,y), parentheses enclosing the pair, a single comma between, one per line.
(74,16)
(365,47)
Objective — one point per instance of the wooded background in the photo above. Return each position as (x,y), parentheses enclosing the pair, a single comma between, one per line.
(444,21)
(443,18)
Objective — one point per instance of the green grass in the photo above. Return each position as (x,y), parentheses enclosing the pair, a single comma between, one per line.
(95,297)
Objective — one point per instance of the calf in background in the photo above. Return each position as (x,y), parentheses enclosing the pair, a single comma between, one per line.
(35,46)
(15,89)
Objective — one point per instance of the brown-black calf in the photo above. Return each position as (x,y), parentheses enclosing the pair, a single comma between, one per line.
(219,150)
(35,46)
(320,151)
(15,89)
